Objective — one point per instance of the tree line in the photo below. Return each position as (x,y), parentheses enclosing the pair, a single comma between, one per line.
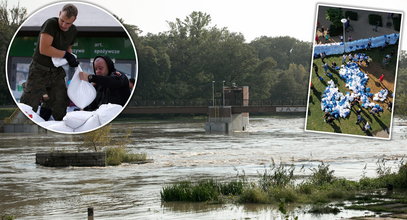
(181,63)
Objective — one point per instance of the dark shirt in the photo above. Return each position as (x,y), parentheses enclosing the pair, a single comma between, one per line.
(62,40)
(112,89)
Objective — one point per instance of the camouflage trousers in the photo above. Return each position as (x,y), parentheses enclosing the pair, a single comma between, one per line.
(48,81)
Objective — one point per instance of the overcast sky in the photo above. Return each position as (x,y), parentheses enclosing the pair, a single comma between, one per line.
(252,18)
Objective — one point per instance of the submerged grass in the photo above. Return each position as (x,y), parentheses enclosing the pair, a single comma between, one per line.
(276,186)
(201,191)
(117,155)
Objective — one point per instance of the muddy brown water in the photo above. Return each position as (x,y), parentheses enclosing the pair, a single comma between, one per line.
(181,151)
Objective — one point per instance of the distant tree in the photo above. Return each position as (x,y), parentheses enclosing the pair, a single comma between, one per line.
(10,19)
(154,74)
(284,50)
(288,88)
(262,79)
(334,15)
(181,63)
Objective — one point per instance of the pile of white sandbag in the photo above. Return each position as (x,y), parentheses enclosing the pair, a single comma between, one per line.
(338,48)
(381,95)
(355,79)
(81,93)
(82,121)
(76,121)
(334,102)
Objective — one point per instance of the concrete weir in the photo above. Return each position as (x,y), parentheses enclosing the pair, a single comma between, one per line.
(222,119)
(65,159)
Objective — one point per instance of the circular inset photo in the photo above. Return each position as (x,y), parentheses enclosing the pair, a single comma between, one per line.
(71,67)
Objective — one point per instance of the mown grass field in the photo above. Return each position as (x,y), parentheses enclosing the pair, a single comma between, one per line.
(315,120)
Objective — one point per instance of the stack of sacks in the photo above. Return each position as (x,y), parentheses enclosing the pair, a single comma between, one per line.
(82,121)
(338,48)
(354,78)
(381,96)
(334,102)
(356,81)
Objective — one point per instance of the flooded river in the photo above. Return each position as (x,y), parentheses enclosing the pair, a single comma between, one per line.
(181,151)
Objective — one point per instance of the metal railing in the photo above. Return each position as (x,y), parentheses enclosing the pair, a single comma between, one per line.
(218,102)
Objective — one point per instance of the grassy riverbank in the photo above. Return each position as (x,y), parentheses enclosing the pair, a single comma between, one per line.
(277,185)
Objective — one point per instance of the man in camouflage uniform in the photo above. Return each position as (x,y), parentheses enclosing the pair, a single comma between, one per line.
(46,83)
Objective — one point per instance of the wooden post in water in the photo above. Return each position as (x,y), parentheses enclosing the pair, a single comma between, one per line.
(90,213)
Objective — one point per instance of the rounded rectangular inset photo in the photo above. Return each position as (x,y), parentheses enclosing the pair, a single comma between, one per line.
(71,67)
(353,71)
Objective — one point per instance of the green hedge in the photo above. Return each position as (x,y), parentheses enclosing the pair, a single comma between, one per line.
(375,19)
(351,15)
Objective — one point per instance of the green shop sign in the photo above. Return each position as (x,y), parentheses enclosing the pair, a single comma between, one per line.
(84,47)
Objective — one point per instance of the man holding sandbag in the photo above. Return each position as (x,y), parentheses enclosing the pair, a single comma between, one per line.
(46,83)
(111,86)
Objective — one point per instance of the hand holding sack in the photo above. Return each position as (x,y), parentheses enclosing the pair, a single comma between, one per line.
(80,92)
(71,59)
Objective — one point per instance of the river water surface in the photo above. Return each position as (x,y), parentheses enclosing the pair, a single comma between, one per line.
(181,151)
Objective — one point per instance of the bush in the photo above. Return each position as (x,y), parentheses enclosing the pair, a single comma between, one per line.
(375,19)
(334,15)
(232,188)
(205,190)
(400,180)
(276,176)
(283,194)
(117,155)
(97,139)
(322,175)
(177,192)
(254,195)
(351,15)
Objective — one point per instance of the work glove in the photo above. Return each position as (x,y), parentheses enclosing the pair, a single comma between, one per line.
(71,59)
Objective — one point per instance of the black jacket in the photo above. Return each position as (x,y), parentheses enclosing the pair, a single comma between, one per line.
(112,88)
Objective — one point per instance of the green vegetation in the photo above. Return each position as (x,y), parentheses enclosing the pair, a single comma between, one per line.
(101,139)
(352,15)
(182,62)
(118,155)
(334,15)
(276,186)
(202,191)
(7,217)
(375,19)
(6,112)
(348,125)
(97,139)
(10,19)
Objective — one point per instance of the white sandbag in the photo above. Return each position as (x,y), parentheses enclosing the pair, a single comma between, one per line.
(46,124)
(76,119)
(60,126)
(108,112)
(91,123)
(80,92)
(27,110)
(60,61)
